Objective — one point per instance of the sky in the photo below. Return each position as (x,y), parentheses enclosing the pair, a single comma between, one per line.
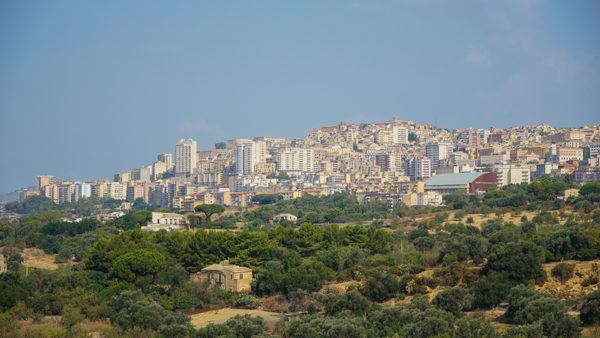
(91,88)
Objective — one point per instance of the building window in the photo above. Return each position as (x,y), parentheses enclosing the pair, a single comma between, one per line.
(241,276)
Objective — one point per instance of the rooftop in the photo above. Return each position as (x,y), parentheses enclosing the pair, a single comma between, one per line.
(225,266)
(453,179)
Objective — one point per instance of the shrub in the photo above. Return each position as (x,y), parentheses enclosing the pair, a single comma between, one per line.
(238,326)
(460,214)
(244,301)
(563,271)
(381,287)
(454,300)
(590,310)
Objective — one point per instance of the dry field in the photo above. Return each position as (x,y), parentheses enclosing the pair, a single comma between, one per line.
(572,288)
(51,325)
(480,219)
(37,259)
(220,316)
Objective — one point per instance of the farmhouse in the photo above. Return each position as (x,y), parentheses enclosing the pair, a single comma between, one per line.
(227,276)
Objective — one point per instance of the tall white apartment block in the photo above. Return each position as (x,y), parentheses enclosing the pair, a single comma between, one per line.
(418,168)
(167,159)
(82,190)
(399,135)
(512,174)
(437,152)
(248,153)
(296,159)
(185,157)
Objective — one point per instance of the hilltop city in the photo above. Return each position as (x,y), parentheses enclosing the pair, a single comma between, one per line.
(395,161)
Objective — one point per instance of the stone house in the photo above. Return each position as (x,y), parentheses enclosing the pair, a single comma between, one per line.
(227,276)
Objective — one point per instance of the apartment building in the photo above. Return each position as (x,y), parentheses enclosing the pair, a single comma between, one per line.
(418,168)
(185,157)
(295,160)
(512,174)
(568,154)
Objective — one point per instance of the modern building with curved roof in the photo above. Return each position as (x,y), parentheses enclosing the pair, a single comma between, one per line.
(472,182)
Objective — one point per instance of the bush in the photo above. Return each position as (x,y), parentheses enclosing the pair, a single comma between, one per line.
(529,307)
(381,287)
(454,300)
(590,309)
(244,301)
(475,328)
(563,271)
(460,214)
(239,326)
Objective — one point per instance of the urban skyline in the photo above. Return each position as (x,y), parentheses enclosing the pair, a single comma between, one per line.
(394,161)
(83,177)
(201,144)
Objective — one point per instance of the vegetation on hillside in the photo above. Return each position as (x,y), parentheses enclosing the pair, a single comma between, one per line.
(416,277)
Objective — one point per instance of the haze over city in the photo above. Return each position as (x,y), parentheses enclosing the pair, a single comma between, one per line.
(88,89)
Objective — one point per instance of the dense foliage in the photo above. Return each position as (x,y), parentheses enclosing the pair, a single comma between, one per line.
(140,281)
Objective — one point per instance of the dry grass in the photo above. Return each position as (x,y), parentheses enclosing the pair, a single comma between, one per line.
(222,315)
(51,324)
(571,289)
(591,332)
(37,259)
(480,219)
(493,316)
(339,288)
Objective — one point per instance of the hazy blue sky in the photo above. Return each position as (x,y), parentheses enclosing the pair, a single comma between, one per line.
(91,88)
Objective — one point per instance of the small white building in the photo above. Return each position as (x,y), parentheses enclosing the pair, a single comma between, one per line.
(284,217)
(166,221)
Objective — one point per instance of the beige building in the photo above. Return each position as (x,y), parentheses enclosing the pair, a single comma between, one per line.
(43,180)
(227,276)
(569,154)
(512,174)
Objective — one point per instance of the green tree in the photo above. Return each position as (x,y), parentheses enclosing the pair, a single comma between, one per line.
(382,286)
(521,261)
(71,318)
(454,300)
(591,191)
(135,264)
(309,275)
(270,279)
(590,309)
(209,209)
